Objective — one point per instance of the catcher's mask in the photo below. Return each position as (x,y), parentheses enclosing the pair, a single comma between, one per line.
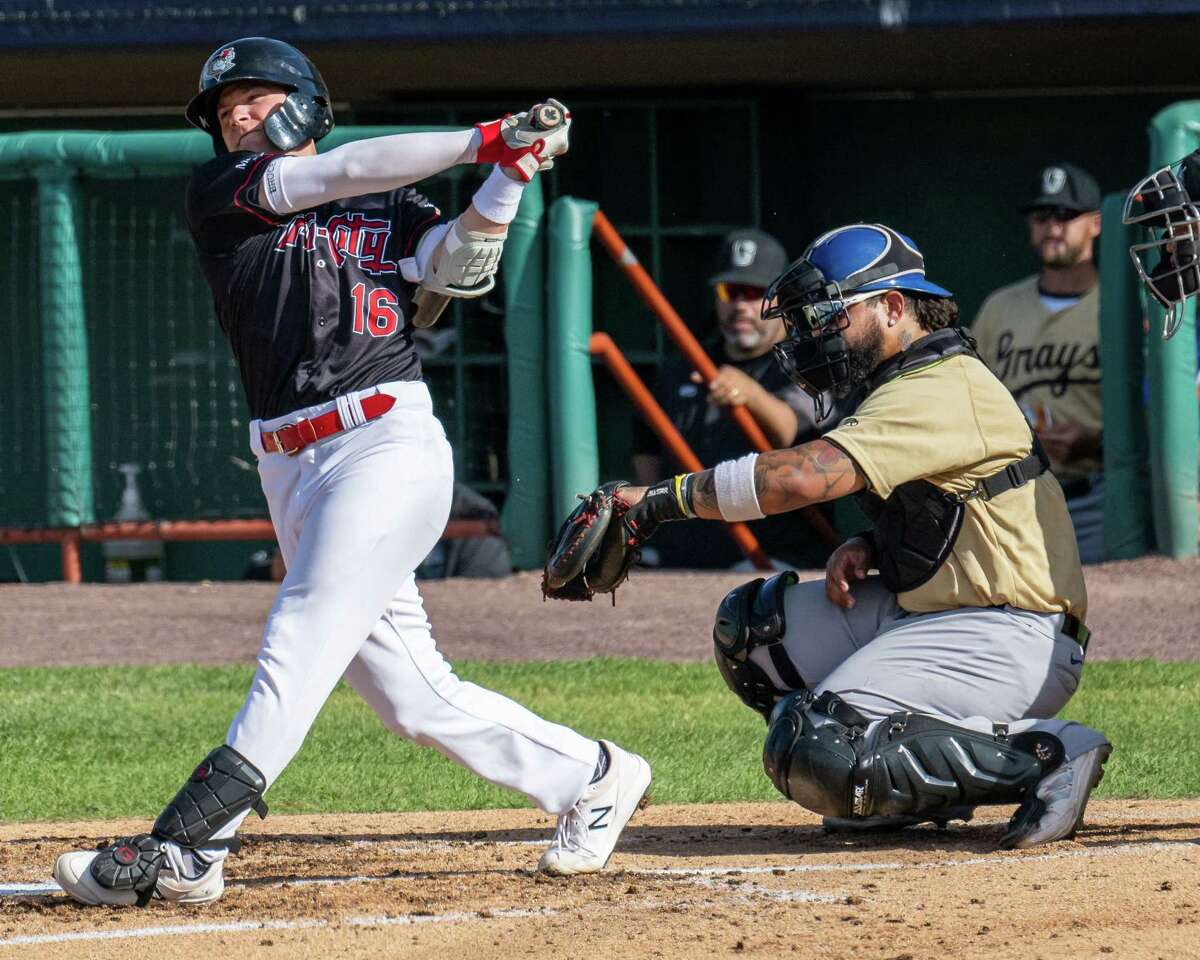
(840,268)
(306,113)
(1168,258)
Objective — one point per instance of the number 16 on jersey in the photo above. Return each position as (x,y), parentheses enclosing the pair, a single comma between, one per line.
(375,311)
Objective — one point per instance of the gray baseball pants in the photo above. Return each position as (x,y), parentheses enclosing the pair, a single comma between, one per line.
(974,666)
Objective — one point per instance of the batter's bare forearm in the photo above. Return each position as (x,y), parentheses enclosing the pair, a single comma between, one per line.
(784,480)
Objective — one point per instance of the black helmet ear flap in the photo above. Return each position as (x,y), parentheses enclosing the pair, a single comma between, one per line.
(297,119)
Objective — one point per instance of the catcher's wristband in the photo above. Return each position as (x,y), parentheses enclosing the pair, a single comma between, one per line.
(661,504)
(734,483)
(681,484)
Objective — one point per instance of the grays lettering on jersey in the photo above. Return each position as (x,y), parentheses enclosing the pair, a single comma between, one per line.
(316,303)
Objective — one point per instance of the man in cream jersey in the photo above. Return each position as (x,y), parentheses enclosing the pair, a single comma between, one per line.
(1041,337)
(926,690)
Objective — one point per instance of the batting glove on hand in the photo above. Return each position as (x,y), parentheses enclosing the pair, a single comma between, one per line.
(525,143)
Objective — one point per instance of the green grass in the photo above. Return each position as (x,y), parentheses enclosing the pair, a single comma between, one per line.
(108,742)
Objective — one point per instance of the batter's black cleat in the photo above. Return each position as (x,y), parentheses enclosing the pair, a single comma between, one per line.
(940,818)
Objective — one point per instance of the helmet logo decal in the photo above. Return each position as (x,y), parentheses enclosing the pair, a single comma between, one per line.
(221,62)
(743,253)
(1053,180)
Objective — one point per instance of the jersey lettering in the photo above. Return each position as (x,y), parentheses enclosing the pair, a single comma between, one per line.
(346,235)
(375,313)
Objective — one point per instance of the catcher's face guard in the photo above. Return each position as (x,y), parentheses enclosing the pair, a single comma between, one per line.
(1168,259)
(813,353)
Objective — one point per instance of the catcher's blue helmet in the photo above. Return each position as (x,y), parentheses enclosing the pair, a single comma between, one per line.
(870,256)
(840,268)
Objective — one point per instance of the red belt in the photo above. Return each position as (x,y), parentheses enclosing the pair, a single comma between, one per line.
(294,437)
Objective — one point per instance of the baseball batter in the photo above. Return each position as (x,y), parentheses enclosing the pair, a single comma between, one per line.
(927,689)
(314,261)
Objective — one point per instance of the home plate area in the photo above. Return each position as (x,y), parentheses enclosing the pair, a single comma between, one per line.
(686,881)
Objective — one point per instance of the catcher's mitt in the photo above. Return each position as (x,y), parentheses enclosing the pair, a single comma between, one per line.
(594,548)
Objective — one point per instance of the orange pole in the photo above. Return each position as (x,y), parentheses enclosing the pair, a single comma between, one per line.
(607,234)
(193,530)
(190,530)
(602,345)
(72,569)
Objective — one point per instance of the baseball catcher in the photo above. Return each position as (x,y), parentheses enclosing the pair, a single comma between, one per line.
(319,265)
(925,689)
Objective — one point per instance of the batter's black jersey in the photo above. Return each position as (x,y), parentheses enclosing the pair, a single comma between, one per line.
(313,303)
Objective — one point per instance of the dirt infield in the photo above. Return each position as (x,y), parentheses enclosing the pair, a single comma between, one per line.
(687,881)
(1139,608)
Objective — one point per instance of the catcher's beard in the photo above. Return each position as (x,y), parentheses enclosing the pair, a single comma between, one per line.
(862,359)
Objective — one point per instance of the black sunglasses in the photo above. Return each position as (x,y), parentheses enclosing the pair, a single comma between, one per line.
(1057,214)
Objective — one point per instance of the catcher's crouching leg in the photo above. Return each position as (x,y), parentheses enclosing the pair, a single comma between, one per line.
(818,752)
(751,616)
(129,871)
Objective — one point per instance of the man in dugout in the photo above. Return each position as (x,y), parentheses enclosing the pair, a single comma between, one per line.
(922,691)
(747,376)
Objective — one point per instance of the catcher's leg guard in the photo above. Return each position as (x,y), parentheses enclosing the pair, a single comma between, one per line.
(752,616)
(819,754)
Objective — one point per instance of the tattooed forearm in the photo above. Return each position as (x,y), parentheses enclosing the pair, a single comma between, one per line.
(787,479)
(799,476)
(704,494)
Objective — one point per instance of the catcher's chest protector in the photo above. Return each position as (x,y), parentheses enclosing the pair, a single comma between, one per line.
(917,526)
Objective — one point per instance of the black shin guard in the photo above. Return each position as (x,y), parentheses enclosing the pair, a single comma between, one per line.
(221,789)
(817,753)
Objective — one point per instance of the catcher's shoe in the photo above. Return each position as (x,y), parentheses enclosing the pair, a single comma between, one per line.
(940,818)
(133,871)
(588,832)
(1055,811)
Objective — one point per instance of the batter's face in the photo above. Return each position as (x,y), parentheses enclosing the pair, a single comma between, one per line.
(241,110)
(1062,242)
(742,325)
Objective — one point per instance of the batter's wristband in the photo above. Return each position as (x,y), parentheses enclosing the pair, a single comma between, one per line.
(682,485)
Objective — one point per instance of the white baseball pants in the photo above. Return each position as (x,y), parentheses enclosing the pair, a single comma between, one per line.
(354,514)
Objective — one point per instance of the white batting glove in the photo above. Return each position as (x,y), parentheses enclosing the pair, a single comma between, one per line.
(524,143)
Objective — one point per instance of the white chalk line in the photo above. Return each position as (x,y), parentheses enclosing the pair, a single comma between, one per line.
(241,926)
(702,876)
(1117,850)
(26,889)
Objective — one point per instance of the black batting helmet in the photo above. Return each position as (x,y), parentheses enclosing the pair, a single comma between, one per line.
(306,114)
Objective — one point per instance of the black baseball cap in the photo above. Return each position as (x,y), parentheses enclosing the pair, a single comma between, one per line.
(1065,185)
(749,256)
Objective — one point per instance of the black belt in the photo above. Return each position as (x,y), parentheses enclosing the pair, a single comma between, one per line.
(1076,629)
(1077,487)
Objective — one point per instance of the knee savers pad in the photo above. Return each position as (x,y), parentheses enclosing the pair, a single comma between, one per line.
(818,753)
(750,616)
(222,788)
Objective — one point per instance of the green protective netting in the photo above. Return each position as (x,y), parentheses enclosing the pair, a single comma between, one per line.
(165,391)
(23,464)
(164,387)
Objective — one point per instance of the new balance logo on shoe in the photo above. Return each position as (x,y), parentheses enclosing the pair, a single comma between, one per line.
(601,813)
